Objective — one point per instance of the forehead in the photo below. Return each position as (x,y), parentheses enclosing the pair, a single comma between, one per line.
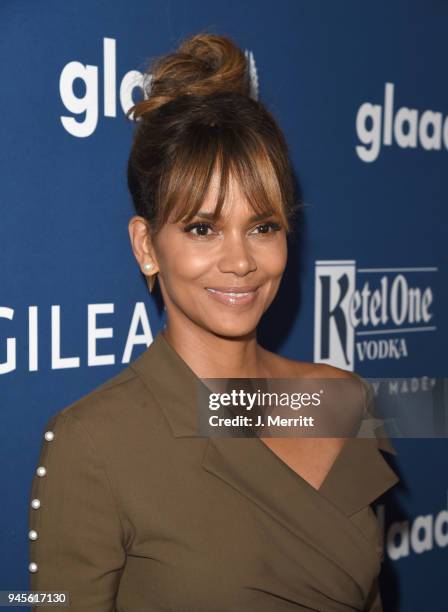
(235,202)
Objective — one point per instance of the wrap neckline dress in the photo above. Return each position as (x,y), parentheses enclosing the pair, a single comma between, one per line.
(321,548)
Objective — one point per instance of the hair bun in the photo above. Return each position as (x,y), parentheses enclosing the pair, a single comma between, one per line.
(204,64)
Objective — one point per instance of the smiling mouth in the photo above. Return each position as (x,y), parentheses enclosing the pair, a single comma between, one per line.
(234,293)
(233,298)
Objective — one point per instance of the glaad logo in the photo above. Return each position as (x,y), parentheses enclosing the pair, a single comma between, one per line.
(386,305)
(88,104)
(422,534)
(405,126)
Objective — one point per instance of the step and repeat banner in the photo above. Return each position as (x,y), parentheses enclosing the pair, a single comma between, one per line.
(361,94)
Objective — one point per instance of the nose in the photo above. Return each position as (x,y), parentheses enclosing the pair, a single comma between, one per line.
(236,255)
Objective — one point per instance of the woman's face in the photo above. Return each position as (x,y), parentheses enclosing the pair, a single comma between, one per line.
(222,276)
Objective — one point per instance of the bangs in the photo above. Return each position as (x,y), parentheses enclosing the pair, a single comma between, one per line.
(184,186)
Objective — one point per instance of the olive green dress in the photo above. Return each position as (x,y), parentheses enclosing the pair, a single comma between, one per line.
(134,511)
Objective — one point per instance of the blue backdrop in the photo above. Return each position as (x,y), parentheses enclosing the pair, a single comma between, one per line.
(361,94)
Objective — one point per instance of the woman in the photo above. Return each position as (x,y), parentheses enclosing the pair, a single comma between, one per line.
(131,508)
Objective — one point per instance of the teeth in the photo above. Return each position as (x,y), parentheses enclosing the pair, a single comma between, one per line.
(230,293)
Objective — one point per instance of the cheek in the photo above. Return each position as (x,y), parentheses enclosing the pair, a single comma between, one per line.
(187,264)
(274,260)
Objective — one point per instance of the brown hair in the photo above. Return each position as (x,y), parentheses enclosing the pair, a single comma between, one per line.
(197,115)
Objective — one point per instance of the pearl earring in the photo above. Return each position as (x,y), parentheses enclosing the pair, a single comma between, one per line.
(151,279)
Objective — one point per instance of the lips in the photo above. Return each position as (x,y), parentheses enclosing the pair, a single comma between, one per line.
(233,296)
(235,288)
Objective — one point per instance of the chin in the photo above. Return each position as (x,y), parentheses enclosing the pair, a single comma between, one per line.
(234,329)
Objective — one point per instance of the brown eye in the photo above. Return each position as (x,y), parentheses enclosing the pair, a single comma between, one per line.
(265,227)
(201,227)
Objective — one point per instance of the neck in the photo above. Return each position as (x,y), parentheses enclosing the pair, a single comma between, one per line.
(213,356)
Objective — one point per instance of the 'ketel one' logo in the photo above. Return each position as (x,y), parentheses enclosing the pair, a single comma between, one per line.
(357,309)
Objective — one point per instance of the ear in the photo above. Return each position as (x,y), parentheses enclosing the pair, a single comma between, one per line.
(141,243)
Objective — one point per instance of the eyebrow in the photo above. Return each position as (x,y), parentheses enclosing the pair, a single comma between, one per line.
(257,217)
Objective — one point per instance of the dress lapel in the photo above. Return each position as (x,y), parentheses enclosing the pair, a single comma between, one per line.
(359,475)
(172,383)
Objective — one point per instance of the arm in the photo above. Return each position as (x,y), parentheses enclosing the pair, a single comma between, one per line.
(79,546)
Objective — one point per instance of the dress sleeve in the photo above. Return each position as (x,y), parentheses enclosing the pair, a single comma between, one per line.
(75,532)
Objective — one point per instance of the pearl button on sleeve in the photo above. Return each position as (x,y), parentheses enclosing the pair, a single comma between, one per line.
(75,531)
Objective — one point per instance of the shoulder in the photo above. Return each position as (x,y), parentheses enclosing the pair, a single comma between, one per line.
(291,368)
(284,368)
(113,406)
(350,395)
